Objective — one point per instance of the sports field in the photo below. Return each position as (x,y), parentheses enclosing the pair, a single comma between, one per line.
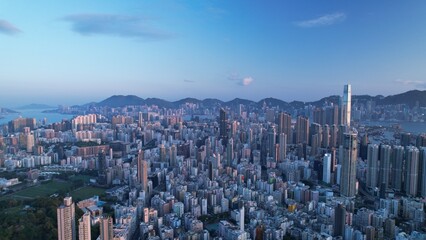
(86,192)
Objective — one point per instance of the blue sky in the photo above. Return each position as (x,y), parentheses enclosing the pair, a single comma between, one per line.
(74,52)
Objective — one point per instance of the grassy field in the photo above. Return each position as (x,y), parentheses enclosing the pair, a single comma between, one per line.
(86,192)
(42,190)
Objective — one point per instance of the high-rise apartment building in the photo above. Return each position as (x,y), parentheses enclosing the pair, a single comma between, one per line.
(84,227)
(411,171)
(385,165)
(106,231)
(339,220)
(284,126)
(140,119)
(66,220)
(142,171)
(397,167)
(302,130)
(271,142)
(326,136)
(348,157)
(372,165)
(162,149)
(326,168)
(283,146)
(422,172)
(223,124)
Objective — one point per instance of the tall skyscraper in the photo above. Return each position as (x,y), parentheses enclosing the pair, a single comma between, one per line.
(411,170)
(348,157)
(372,165)
(84,227)
(346,105)
(66,220)
(105,225)
(326,168)
(142,171)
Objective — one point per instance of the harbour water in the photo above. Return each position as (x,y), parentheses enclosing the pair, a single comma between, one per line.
(38,114)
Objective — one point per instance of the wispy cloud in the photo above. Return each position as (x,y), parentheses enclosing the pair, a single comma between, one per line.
(189,81)
(325,20)
(115,25)
(8,28)
(412,83)
(242,81)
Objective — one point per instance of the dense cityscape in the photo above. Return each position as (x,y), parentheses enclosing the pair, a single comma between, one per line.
(222,171)
(212,120)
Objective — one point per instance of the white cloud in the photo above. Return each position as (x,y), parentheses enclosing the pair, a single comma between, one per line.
(242,81)
(247,81)
(325,20)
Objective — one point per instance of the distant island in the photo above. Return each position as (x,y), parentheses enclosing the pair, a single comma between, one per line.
(7,111)
(35,106)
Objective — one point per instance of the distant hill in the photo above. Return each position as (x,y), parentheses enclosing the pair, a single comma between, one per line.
(410,98)
(35,106)
(121,101)
(7,110)
(273,102)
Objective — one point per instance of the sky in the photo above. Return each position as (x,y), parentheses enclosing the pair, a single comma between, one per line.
(75,52)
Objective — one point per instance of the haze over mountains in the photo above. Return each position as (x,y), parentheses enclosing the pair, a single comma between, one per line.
(411,98)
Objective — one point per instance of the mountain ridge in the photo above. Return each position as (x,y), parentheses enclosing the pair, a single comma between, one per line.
(410,97)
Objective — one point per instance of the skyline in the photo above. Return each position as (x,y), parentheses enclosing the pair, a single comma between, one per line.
(216,49)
